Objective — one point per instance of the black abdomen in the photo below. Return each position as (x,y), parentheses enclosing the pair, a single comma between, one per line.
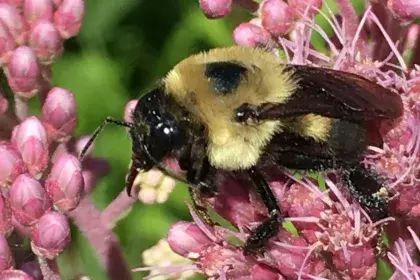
(345,146)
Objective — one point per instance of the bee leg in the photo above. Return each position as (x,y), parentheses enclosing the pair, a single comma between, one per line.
(194,160)
(366,188)
(270,227)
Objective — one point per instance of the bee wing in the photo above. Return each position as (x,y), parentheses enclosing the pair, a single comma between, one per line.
(335,94)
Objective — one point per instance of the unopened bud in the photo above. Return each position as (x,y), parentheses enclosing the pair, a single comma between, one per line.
(24,72)
(251,35)
(15,275)
(59,114)
(35,10)
(46,42)
(28,200)
(50,235)
(11,17)
(65,183)
(68,17)
(11,164)
(216,8)
(277,17)
(187,239)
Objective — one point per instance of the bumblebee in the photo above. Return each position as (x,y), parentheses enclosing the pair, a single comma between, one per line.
(239,110)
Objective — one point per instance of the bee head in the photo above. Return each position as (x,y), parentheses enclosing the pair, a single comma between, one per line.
(156,133)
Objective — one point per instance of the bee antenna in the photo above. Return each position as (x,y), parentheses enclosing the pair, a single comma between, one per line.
(108,120)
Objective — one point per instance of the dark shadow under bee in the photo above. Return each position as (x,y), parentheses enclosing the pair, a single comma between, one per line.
(239,110)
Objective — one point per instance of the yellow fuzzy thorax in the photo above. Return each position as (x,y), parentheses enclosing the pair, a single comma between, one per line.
(232,145)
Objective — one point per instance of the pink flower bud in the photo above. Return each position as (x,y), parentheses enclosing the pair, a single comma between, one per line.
(301,7)
(6,257)
(32,268)
(65,183)
(28,200)
(405,9)
(15,275)
(23,72)
(4,104)
(59,114)
(10,15)
(7,43)
(187,239)
(30,139)
(46,42)
(68,18)
(216,8)
(50,235)
(251,35)
(277,17)
(129,108)
(35,10)
(11,164)
(5,217)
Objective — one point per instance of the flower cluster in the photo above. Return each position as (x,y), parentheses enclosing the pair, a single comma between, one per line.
(327,234)
(41,179)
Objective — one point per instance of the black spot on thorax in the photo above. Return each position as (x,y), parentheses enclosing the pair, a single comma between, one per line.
(224,76)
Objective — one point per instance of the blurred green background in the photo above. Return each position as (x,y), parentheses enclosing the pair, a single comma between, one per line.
(123,48)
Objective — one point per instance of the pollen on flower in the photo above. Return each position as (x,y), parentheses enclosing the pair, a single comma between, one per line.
(163,263)
(154,186)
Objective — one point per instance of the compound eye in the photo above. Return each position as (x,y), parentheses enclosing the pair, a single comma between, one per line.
(164,133)
(164,137)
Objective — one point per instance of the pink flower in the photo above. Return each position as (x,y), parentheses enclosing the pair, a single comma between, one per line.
(59,114)
(129,108)
(30,139)
(28,200)
(277,17)
(65,183)
(11,164)
(6,257)
(35,10)
(251,35)
(187,239)
(216,8)
(50,235)
(356,262)
(46,42)
(11,17)
(24,72)
(68,17)
(15,275)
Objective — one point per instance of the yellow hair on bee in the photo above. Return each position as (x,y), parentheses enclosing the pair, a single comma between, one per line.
(232,145)
(315,126)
